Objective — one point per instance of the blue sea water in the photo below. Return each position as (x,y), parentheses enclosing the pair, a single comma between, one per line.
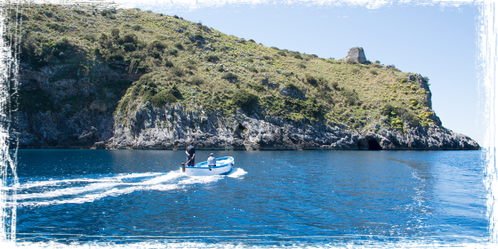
(271,198)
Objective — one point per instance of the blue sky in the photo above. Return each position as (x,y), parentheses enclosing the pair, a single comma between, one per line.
(434,40)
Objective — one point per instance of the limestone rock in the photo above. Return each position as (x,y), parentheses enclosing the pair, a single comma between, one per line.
(293,93)
(357,55)
(270,85)
(98,145)
(150,130)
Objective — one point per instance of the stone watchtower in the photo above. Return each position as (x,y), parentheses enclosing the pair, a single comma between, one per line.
(357,55)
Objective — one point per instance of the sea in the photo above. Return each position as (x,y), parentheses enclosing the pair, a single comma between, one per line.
(270,199)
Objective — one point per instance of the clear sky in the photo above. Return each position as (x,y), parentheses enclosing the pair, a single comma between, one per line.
(435,40)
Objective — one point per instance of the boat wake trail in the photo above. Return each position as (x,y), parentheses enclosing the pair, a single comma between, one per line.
(237,173)
(89,189)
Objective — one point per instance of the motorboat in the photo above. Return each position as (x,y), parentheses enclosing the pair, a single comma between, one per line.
(223,167)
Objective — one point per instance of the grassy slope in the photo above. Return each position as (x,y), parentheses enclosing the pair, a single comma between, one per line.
(197,65)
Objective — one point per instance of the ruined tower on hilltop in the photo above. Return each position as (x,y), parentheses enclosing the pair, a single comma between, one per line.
(356,54)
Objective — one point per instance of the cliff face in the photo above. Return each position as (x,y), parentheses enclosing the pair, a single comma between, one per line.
(67,113)
(173,128)
(149,81)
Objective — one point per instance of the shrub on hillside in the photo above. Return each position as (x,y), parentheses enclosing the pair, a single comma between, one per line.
(298,56)
(396,114)
(312,109)
(56,27)
(78,11)
(168,63)
(253,69)
(323,85)
(212,58)
(351,97)
(350,61)
(335,85)
(130,38)
(172,51)
(245,100)
(176,92)
(115,57)
(89,37)
(311,80)
(136,27)
(177,71)
(163,97)
(63,44)
(196,81)
(230,77)
(355,70)
(179,46)
(129,47)
(198,36)
(115,33)
(138,55)
(158,45)
(157,56)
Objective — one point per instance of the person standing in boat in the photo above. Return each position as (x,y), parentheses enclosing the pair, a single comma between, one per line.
(190,154)
(211,160)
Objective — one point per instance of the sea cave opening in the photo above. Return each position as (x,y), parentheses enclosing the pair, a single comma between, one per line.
(373,145)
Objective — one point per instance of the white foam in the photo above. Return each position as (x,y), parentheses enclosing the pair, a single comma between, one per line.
(163,178)
(51,182)
(82,190)
(66,191)
(237,173)
(200,179)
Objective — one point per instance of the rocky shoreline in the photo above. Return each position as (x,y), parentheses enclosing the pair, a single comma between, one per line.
(173,127)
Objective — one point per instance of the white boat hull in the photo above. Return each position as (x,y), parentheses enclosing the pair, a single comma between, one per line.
(223,166)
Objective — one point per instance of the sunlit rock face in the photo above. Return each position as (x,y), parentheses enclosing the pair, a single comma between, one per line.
(357,55)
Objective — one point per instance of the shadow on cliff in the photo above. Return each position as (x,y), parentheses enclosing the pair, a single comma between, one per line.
(67,96)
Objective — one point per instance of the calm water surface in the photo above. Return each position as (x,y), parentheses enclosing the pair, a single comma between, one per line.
(271,198)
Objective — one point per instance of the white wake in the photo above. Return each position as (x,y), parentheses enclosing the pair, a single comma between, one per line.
(88,189)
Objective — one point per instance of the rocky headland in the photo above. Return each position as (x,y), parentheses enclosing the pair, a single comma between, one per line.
(148,81)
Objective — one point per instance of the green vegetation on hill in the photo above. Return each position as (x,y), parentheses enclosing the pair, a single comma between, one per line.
(165,59)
